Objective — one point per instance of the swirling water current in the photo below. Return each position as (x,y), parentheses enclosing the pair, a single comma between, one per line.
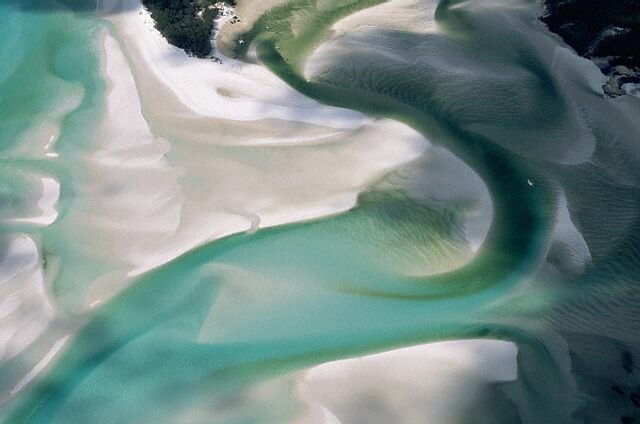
(556,274)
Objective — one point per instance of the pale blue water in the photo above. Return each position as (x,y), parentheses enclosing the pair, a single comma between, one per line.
(517,112)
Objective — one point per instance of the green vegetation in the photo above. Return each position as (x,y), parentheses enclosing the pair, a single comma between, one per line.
(187,24)
(607,30)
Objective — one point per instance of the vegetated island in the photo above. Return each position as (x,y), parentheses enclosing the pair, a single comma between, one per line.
(187,24)
(606,32)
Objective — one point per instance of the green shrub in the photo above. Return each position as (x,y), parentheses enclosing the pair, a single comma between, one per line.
(187,24)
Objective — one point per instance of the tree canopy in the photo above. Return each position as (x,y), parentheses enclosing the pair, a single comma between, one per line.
(187,24)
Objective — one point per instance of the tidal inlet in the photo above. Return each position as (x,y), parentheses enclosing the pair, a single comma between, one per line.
(319,211)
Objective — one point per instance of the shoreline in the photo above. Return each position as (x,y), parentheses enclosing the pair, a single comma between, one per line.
(605,36)
(199,171)
(230,90)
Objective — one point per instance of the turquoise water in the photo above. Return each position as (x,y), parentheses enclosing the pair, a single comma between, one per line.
(253,306)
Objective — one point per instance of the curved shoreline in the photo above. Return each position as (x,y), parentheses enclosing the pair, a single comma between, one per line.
(159,135)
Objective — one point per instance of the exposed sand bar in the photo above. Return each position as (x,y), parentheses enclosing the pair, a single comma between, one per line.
(25,309)
(178,164)
(431,383)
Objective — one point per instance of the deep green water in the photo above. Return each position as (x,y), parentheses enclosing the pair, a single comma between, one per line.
(515,112)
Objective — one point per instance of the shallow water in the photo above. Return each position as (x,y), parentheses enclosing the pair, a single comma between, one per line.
(519,223)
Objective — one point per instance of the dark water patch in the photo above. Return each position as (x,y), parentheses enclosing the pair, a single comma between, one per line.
(606,32)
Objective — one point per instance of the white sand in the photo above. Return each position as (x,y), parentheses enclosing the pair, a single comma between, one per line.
(166,179)
(432,383)
(25,309)
(250,91)
(569,249)
(250,11)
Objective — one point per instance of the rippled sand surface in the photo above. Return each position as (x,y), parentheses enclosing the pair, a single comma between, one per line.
(378,212)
